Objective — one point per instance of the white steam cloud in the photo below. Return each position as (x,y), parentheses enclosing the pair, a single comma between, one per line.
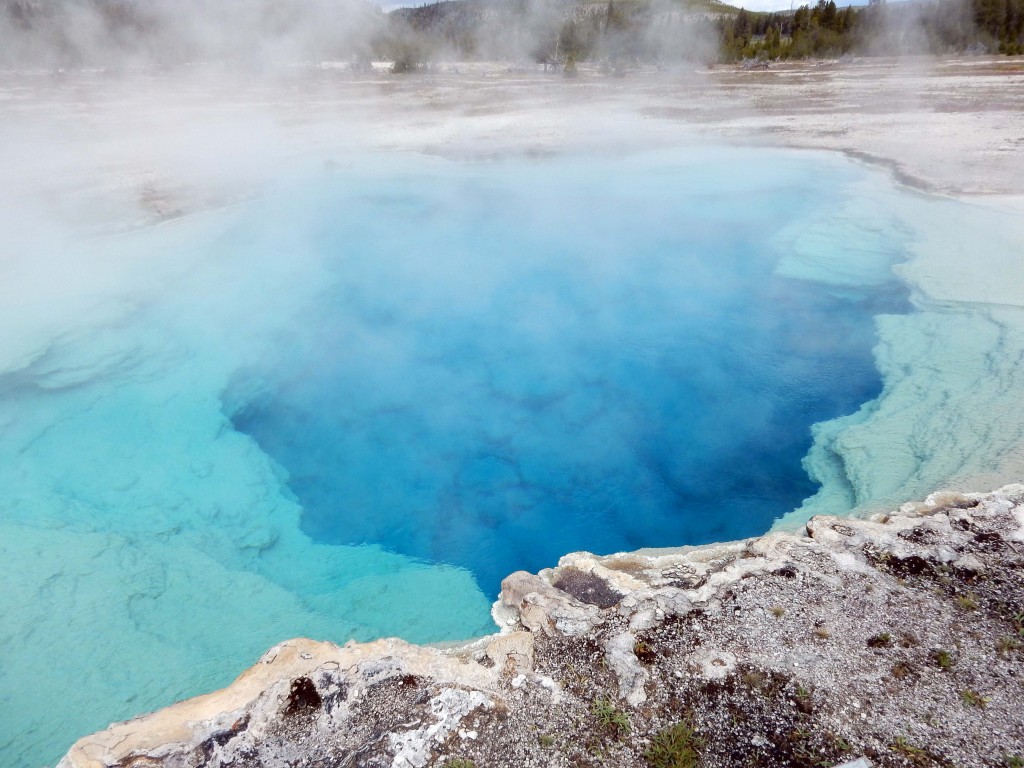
(171,32)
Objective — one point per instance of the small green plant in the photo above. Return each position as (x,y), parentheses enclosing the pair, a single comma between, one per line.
(575,679)
(881,640)
(610,716)
(943,659)
(967,602)
(807,755)
(644,652)
(804,700)
(916,756)
(902,670)
(546,741)
(778,611)
(754,678)
(678,746)
(905,748)
(1013,761)
(1007,644)
(841,744)
(973,699)
(459,762)
(737,719)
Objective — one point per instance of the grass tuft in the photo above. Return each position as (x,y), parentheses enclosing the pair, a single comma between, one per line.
(678,746)
(881,640)
(610,716)
(943,659)
(973,699)
(1008,644)
(967,602)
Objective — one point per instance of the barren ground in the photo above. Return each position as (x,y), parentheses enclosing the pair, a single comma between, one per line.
(174,143)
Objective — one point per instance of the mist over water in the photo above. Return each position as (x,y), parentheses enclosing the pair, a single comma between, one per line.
(509,362)
(347,409)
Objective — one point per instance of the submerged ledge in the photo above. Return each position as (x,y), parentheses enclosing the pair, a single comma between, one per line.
(899,638)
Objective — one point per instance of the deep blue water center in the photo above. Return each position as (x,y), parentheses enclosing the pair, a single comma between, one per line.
(506,362)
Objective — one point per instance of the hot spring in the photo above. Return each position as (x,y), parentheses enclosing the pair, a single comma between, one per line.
(505,363)
(348,408)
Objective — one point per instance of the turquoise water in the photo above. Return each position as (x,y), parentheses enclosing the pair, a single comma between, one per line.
(517,362)
(350,408)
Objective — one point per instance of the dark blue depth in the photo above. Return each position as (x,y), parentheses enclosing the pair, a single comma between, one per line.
(509,363)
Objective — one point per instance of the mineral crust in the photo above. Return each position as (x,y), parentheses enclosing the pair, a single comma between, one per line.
(892,641)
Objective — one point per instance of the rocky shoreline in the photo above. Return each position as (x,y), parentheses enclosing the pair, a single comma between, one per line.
(899,639)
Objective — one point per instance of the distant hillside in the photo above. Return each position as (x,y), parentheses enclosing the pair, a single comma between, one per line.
(706,7)
(558,30)
(879,29)
(615,33)
(621,33)
(428,12)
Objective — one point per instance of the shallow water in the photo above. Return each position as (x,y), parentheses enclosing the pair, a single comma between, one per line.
(349,408)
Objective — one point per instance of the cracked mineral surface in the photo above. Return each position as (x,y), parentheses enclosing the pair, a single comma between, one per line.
(892,641)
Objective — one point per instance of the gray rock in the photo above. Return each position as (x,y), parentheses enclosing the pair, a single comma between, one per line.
(895,636)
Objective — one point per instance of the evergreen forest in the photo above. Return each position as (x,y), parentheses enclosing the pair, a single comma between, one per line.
(616,34)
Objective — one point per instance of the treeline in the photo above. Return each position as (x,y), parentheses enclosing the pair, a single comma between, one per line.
(822,30)
(938,26)
(467,30)
(616,33)
(623,32)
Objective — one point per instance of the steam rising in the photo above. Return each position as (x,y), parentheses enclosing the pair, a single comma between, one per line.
(158,278)
(258,33)
(130,499)
(173,32)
